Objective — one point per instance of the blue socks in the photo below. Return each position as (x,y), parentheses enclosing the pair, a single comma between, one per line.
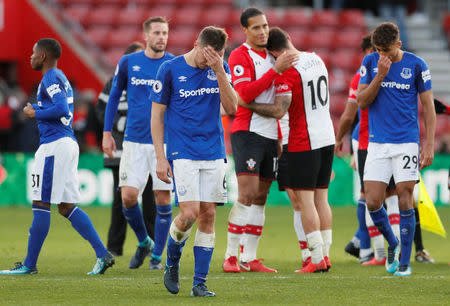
(363,232)
(407,228)
(381,221)
(136,221)
(162,225)
(38,232)
(83,225)
(174,251)
(202,256)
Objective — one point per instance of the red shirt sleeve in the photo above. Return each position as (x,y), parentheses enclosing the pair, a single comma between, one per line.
(243,76)
(353,88)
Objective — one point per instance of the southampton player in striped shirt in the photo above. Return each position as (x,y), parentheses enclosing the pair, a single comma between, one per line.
(190,89)
(54,179)
(391,80)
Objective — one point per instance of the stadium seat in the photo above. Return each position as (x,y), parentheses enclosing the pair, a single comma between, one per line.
(237,36)
(113,55)
(274,17)
(192,3)
(101,16)
(182,37)
(131,16)
(347,39)
(67,3)
(325,18)
(217,16)
(352,19)
(189,16)
(339,81)
(106,3)
(166,11)
(344,59)
(97,35)
(234,18)
(296,18)
(76,13)
(121,37)
(320,38)
(337,104)
(446,23)
(298,37)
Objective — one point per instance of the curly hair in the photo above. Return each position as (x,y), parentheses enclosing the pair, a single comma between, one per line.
(385,34)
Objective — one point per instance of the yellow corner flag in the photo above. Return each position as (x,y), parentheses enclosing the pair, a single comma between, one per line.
(429,218)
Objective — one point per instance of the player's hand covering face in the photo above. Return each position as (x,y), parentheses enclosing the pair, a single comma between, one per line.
(214,59)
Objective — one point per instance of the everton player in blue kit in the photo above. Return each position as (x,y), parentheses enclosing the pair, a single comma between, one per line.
(390,81)
(54,178)
(135,73)
(190,89)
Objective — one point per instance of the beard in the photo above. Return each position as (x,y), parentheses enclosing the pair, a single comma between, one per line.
(262,45)
(37,67)
(156,49)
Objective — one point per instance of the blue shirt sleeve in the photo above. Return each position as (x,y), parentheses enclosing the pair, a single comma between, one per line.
(119,84)
(55,89)
(366,70)
(228,72)
(423,76)
(162,88)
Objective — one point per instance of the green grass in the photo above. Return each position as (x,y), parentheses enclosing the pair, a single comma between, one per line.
(66,257)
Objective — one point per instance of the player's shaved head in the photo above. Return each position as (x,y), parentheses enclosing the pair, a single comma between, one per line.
(50,47)
(278,40)
(249,13)
(214,37)
(385,35)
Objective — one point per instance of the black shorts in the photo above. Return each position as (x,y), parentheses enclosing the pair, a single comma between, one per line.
(254,155)
(283,170)
(362,155)
(310,169)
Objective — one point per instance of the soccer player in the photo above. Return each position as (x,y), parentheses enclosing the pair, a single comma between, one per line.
(254,141)
(303,89)
(390,81)
(190,89)
(118,226)
(136,74)
(55,178)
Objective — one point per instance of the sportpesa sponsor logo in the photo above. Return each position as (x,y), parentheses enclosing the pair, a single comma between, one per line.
(395,85)
(135,81)
(198,92)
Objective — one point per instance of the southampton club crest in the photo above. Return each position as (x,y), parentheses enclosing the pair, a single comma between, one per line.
(406,73)
(212,75)
(251,164)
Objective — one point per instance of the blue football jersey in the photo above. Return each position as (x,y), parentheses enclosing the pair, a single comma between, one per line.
(393,115)
(54,108)
(193,116)
(136,74)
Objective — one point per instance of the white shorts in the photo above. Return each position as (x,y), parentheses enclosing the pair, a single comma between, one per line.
(386,159)
(137,162)
(54,178)
(200,180)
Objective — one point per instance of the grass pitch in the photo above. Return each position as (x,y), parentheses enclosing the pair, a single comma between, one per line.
(66,258)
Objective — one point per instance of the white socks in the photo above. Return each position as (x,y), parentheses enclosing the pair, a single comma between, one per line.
(315,244)
(394,214)
(298,227)
(253,232)
(177,234)
(327,240)
(237,220)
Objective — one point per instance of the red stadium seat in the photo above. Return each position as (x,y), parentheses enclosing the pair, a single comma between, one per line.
(348,39)
(121,37)
(188,16)
(274,17)
(113,55)
(193,3)
(353,19)
(106,3)
(321,38)
(442,125)
(131,16)
(101,16)
(166,11)
(446,23)
(67,3)
(298,37)
(325,18)
(97,35)
(237,36)
(217,16)
(339,81)
(182,37)
(234,19)
(76,13)
(296,18)
(337,104)
(344,59)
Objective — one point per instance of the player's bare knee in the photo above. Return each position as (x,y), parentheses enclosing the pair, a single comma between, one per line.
(129,199)
(64,208)
(162,197)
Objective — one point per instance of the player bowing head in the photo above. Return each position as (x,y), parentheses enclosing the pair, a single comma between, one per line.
(209,40)
(386,41)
